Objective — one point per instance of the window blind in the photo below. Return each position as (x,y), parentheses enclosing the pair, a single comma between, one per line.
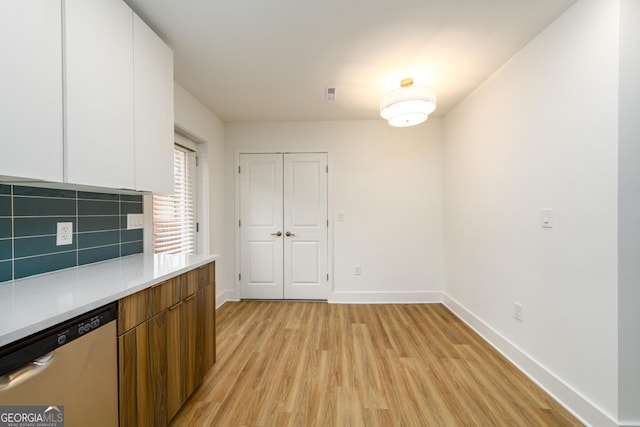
(174,215)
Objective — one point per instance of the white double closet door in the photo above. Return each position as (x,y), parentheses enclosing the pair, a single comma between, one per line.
(283,226)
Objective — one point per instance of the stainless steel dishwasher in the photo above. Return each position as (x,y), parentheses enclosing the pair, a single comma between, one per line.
(73,365)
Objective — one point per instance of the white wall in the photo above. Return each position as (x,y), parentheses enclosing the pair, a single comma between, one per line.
(192,116)
(629,212)
(542,133)
(388,184)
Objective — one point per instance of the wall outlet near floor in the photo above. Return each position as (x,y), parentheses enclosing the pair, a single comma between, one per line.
(135,221)
(546,218)
(517,312)
(64,235)
(357,270)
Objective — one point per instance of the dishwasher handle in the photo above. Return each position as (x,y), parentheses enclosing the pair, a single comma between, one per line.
(26,372)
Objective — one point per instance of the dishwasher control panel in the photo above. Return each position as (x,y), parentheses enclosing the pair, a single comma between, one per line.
(19,353)
(90,324)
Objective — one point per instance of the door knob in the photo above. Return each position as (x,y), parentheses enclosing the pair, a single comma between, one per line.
(278,234)
(289,234)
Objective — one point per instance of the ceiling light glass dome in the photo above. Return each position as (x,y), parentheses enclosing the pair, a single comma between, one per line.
(408,105)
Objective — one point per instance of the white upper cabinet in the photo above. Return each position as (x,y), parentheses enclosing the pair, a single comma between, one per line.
(86,96)
(153,101)
(99,108)
(31,90)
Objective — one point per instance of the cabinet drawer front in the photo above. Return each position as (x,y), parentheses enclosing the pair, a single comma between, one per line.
(198,279)
(143,305)
(206,275)
(172,292)
(189,283)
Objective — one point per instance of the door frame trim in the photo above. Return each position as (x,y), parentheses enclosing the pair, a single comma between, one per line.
(237,290)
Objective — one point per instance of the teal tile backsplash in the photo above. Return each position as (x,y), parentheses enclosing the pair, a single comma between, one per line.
(5,228)
(39,226)
(88,256)
(39,245)
(131,248)
(28,223)
(98,238)
(5,205)
(35,207)
(98,223)
(24,267)
(98,207)
(6,234)
(5,249)
(6,270)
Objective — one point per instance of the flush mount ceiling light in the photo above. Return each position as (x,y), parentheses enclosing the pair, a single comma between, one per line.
(408,105)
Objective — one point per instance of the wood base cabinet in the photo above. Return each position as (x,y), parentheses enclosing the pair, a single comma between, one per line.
(163,358)
(175,388)
(143,374)
(199,326)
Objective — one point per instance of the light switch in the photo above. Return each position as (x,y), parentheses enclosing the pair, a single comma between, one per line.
(546,218)
(135,221)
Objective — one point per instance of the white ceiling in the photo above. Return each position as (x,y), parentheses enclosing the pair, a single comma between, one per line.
(272,60)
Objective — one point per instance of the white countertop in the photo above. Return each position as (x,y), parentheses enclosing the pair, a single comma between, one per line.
(35,303)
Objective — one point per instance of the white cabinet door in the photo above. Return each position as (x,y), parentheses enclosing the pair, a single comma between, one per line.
(305,226)
(31,89)
(99,119)
(261,222)
(283,232)
(153,99)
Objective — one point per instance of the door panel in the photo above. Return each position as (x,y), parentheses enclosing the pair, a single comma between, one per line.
(261,252)
(282,193)
(262,262)
(304,203)
(304,256)
(264,193)
(305,217)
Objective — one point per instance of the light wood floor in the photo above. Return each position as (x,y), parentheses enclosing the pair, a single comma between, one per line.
(318,364)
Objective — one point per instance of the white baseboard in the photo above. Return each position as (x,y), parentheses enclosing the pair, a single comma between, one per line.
(383,297)
(224,296)
(578,405)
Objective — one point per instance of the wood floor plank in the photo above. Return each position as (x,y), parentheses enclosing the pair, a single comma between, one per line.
(317,364)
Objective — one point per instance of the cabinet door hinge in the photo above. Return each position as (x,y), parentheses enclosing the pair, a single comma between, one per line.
(327,168)
(239,277)
(239,223)
(327,223)
(197,161)
(197,227)
(327,277)
(238,169)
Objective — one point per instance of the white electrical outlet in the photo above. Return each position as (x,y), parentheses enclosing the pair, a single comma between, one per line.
(135,221)
(64,235)
(517,312)
(546,218)
(357,270)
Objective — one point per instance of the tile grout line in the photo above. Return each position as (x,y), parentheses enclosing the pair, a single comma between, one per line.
(45,254)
